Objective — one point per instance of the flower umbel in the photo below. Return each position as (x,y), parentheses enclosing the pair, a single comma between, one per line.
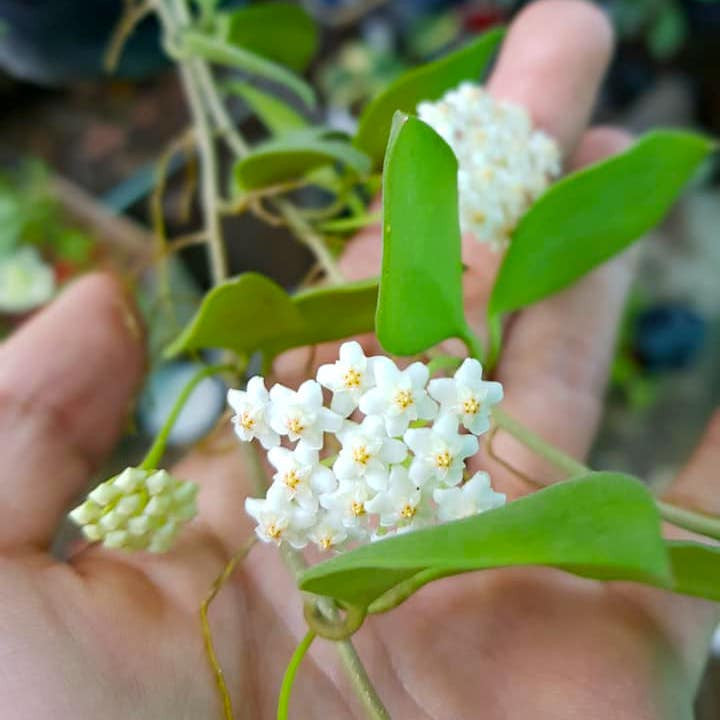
(137,510)
(504,165)
(388,476)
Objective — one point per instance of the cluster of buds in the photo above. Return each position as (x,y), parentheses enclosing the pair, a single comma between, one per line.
(503,163)
(396,454)
(137,510)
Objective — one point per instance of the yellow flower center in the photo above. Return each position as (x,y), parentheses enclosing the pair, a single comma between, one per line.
(326,542)
(352,379)
(358,508)
(403,399)
(295,425)
(408,511)
(274,532)
(247,420)
(361,455)
(291,479)
(443,460)
(471,406)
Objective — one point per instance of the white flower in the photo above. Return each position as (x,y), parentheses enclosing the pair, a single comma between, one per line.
(440,452)
(503,164)
(401,502)
(348,503)
(137,510)
(329,532)
(475,496)
(467,396)
(280,520)
(250,419)
(300,475)
(400,395)
(300,415)
(25,281)
(348,378)
(367,451)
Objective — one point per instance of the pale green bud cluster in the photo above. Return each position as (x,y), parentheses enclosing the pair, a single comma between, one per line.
(137,510)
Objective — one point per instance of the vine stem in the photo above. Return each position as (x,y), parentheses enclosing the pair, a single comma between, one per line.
(707,525)
(295,220)
(303,230)
(157,449)
(473,344)
(217,586)
(290,673)
(175,16)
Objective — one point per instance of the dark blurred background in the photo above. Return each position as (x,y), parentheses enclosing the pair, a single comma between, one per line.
(79,151)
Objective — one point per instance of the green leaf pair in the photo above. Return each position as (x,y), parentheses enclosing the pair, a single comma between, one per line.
(293,155)
(582,221)
(251,313)
(603,526)
(272,41)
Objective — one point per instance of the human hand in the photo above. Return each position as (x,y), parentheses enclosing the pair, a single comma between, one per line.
(118,635)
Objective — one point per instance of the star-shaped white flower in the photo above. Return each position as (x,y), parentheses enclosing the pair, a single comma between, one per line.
(348,378)
(300,475)
(402,503)
(475,496)
(300,415)
(250,419)
(467,396)
(440,452)
(279,520)
(329,532)
(348,503)
(367,451)
(399,396)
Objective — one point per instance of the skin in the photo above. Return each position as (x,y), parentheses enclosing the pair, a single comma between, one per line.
(117,636)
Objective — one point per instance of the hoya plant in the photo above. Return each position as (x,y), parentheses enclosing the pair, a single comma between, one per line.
(371,473)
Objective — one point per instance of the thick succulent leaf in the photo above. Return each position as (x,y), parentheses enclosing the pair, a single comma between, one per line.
(428,82)
(602,525)
(696,569)
(593,214)
(251,313)
(243,314)
(332,313)
(293,155)
(277,116)
(280,31)
(420,301)
(216,50)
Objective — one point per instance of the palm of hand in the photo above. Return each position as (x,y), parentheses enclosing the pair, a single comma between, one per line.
(119,636)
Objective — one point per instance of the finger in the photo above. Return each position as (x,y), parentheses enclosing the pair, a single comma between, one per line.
(66,383)
(690,622)
(555,76)
(557,353)
(552,61)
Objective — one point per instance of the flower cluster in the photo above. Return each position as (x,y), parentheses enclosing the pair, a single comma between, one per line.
(400,460)
(137,510)
(503,164)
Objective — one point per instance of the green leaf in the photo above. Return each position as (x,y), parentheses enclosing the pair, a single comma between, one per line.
(281,31)
(420,301)
(331,313)
(243,314)
(252,313)
(292,156)
(593,214)
(215,50)
(696,569)
(277,116)
(427,82)
(602,525)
